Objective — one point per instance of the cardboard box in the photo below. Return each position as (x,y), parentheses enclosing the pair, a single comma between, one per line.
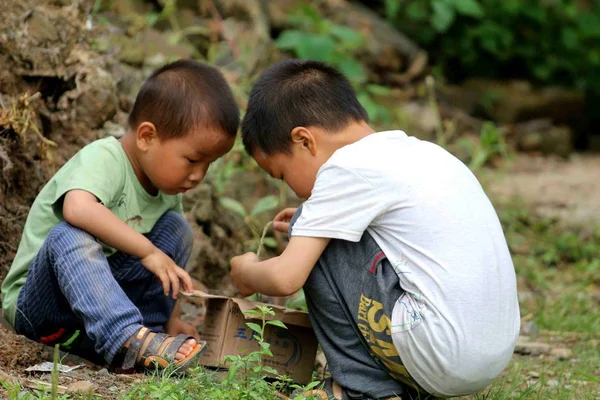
(225,330)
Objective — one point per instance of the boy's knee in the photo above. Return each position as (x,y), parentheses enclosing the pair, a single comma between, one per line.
(180,228)
(67,233)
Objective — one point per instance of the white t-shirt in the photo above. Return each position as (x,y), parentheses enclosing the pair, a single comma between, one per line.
(456,326)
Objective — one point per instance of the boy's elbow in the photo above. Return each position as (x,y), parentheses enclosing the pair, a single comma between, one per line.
(74,210)
(290,277)
(70,213)
(288,287)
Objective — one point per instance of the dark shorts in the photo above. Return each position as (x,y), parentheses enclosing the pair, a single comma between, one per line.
(350,295)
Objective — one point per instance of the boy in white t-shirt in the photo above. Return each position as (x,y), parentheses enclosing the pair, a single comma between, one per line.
(408,279)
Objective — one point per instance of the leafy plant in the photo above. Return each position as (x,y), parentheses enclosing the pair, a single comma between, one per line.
(544,41)
(267,203)
(318,38)
(321,39)
(251,365)
(491,144)
(298,301)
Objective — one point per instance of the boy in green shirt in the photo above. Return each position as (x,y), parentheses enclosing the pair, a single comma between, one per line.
(99,263)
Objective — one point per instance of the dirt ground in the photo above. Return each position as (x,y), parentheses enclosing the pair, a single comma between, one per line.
(18,353)
(567,190)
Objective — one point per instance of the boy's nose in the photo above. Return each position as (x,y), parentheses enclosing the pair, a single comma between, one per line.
(197,175)
(196,178)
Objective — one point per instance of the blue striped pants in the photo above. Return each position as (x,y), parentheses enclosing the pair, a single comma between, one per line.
(71,285)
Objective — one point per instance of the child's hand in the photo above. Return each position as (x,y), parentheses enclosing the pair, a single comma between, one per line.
(239,265)
(281,222)
(167,272)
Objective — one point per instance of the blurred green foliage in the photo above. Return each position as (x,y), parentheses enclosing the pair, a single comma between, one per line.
(317,38)
(546,41)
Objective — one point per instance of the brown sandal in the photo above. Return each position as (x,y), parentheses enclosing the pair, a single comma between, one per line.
(126,359)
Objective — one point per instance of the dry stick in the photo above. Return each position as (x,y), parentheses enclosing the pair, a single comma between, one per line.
(217,17)
(262,238)
(33,384)
(433,104)
(261,244)
(6,159)
(54,386)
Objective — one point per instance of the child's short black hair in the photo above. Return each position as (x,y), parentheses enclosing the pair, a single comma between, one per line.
(184,95)
(295,93)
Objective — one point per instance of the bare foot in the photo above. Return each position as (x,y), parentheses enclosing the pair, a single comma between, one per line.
(175,325)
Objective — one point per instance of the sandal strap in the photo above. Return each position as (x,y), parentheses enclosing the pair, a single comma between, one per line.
(154,345)
(134,348)
(167,354)
(171,351)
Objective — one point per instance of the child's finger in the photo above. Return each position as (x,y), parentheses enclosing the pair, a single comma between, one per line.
(164,280)
(188,285)
(285,215)
(174,283)
(281,226)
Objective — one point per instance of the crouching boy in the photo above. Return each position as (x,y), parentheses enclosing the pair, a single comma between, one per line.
(408,278)
(99,264)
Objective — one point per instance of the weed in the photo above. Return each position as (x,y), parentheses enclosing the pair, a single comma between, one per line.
(20,118)
(491,145)
(247,376)
(267,203)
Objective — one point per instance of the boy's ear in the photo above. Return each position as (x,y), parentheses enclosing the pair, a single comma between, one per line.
(146,135)
(304,138)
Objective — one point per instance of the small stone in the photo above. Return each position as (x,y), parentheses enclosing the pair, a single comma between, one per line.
(113,389)
(103,372)
(81,387)
(561,353)
(532,348)
(533,374)
(552,383)
(530,329)
(7,378)
(112,129)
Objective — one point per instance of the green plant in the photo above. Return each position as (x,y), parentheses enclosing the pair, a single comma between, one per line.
(491,144)
(317,38)
(247,377)
(267,203)
(488,146)
(544,41)
(298,301)
(251,365)
(223,170)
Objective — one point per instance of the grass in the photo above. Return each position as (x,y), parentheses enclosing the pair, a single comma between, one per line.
(549,378)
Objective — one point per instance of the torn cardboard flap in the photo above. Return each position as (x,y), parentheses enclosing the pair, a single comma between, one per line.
(226,333)
(283,314)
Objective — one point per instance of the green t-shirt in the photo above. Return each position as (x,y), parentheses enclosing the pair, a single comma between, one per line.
(103,169)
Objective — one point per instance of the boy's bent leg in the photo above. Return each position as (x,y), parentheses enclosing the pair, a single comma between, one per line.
(70,286)
(350,294)
(173,235)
